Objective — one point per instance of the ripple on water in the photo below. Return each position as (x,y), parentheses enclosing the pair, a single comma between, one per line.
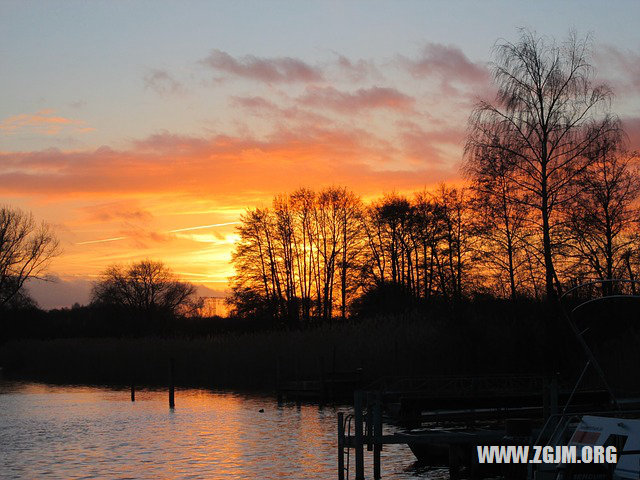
(86,432)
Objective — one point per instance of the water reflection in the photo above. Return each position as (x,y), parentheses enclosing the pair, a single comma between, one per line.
(86,432)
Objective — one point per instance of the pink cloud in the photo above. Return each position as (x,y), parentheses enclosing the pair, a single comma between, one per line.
(619,68)
(357,71)
(361,99)
(261,107)
(446,62)
(632,129)
(43,121)
(420,144)
(268,70)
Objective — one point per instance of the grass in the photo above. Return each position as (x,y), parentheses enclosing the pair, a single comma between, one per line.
(472,339)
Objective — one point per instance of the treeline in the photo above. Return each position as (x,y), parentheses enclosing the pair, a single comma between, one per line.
(549,202)
(315,256)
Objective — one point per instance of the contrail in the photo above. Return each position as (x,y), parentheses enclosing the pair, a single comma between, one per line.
(169,231)
(202,226)
(100,241)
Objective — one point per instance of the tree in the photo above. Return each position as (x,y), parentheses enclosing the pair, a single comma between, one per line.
(146,288)
(502,216)
(546,117)
(299,260)
(602,212)
(26,249)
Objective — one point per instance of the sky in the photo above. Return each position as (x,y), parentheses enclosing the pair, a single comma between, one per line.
(143,129)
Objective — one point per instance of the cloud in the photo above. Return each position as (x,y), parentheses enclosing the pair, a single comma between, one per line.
(241,168)
(620,68)
(447,62)
(632,128)
(43,122)
(113,211)
(361,99)
(267,70)
(357,71)
(261,107)
(161,82)
(420,144)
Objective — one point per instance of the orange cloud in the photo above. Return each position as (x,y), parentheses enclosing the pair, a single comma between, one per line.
(233,166)
(42,121)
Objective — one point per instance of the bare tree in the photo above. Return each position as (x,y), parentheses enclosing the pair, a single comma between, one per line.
(26,249)
(300,257)
(546,116)
(501,220)
(146,288)
(602,212)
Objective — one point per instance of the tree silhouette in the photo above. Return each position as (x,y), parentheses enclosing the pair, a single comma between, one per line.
(26,249)
(546,117)
(146,288)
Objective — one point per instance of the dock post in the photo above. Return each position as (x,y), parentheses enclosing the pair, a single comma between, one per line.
(279,380)
(340,446)
(133,392)
(172,402)
(377,432)
(357,407)
(369,422)
(323,388)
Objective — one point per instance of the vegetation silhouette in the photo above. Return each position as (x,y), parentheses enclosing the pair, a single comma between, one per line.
(26,248)
(458,280)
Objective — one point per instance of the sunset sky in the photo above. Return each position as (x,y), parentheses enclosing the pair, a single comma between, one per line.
(144,129)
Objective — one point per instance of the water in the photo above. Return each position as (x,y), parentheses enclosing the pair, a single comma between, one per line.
(87,432)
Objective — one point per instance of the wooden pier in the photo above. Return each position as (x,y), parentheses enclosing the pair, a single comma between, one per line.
(363,429)
(459,405)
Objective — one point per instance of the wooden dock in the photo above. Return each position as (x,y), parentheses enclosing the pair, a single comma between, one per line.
(363,429)
(462,403)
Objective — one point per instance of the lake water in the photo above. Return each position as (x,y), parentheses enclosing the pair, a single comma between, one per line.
(87,432)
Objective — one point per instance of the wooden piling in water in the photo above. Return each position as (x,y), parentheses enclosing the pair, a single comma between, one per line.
(357,407)
(369,422)
(323,390)
(340,446)
(172,402)
(279,380)
(133,392)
